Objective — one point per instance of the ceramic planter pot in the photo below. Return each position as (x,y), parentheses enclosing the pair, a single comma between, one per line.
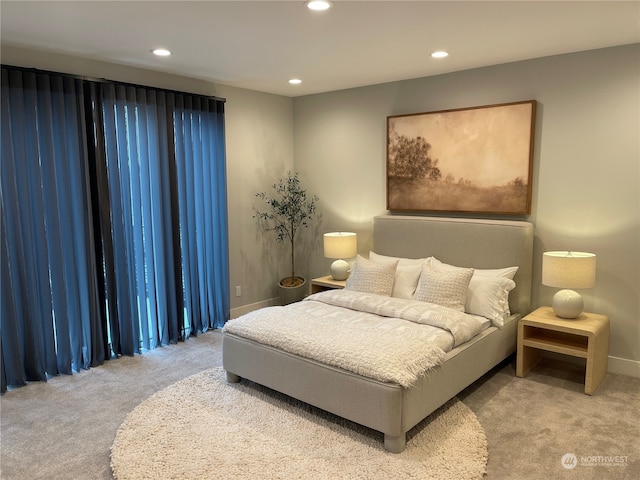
(292,294)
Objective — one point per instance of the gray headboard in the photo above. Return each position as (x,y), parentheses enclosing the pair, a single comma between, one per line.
(462,242)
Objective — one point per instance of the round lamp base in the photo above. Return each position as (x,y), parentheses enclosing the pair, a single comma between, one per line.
(340,270)
(567,304)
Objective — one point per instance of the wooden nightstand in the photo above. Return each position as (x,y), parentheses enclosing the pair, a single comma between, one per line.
(585,337)
(321,284)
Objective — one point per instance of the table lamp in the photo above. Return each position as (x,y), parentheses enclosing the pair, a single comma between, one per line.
(340,245)
(568,270)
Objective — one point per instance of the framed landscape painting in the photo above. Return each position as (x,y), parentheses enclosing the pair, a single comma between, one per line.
(475,160)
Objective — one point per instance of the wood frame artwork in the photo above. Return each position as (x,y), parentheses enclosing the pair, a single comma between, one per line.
(474,160)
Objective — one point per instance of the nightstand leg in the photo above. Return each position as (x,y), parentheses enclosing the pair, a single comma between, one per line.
(597,360)
(528,358)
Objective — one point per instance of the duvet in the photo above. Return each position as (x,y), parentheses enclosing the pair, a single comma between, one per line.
(388,339)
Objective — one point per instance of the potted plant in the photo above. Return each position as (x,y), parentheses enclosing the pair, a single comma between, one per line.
(287,210)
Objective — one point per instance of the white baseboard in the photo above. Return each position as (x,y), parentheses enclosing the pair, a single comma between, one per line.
(236,312)
(624,366)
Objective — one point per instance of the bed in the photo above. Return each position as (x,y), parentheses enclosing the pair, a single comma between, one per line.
(386,406)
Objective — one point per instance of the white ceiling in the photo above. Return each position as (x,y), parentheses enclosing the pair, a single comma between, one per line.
(259,45)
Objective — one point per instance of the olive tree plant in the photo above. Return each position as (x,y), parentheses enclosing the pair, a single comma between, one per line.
(287,210)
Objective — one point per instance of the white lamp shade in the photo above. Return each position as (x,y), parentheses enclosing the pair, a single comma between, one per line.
(569,269)
(340,245)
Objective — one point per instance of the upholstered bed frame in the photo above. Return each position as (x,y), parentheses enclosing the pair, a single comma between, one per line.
(391,409)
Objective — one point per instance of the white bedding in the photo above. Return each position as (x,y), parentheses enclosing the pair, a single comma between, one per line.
(389,339)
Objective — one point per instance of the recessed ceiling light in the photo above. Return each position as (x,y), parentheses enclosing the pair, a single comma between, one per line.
(439,54)
(295,81)
(318,5)
(161,52)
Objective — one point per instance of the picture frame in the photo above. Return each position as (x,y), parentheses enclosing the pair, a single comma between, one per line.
(467,160)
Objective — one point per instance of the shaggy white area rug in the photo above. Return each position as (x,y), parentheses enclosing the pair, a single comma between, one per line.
(204,428)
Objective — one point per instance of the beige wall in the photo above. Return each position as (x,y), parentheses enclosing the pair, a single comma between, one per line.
(586,166)
(586,179)
(259,136)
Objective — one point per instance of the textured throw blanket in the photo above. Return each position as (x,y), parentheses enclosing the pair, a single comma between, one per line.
(387,339)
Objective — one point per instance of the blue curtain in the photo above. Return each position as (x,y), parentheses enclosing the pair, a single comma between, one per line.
(114,221)
(50,321)
(200,170)
(144,309)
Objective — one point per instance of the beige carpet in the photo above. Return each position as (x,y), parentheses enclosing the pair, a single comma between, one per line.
(202,427)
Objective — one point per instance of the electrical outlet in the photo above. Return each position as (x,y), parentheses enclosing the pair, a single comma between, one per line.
(238,290)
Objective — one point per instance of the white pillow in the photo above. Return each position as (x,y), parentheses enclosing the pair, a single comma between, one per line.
(407,274)
(443,287)
(508,272)
(372,277)
(489,297)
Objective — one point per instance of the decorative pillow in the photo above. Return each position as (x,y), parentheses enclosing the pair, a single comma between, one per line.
(486,297)
(407,274)
(489,297)
(372,277)
(443,287)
